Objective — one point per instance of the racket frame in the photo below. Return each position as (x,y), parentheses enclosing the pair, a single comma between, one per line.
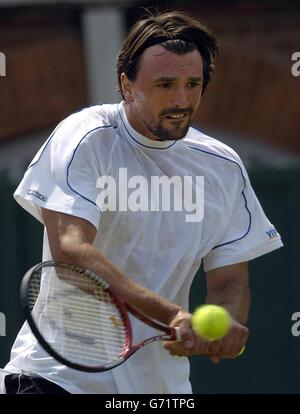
(170,334)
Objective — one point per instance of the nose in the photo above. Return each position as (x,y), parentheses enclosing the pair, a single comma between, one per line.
(180,98)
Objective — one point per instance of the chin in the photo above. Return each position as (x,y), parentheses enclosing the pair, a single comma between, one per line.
(164,134)
(179,135)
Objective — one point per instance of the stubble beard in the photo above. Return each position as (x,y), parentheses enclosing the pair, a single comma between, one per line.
(164,134)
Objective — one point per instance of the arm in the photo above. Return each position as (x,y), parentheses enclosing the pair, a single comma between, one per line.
(71,240)
(228,287)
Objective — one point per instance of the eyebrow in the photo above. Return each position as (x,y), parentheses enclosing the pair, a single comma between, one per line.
(171,79)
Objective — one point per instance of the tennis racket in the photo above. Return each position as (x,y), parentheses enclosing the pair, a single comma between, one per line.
(79,320)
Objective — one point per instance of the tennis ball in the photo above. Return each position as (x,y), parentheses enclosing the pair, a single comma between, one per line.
(211,322)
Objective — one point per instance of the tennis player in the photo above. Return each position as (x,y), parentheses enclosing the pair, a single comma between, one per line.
(147,252)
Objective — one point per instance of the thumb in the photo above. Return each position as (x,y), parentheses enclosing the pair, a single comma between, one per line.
(187,337)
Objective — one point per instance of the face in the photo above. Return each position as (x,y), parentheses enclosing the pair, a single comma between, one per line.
(163,99)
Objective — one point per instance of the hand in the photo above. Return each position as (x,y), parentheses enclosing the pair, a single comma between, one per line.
(190,343)
(231,345)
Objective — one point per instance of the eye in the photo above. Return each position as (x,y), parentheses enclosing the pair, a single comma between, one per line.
(165,85)
(193,84)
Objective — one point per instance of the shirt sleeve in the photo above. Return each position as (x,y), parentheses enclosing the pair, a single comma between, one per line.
(63,175)
(248,234)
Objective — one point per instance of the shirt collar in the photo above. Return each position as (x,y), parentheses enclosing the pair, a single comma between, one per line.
(138,138)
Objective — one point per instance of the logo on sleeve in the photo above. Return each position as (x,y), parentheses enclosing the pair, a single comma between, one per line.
(272,233)
(37,194)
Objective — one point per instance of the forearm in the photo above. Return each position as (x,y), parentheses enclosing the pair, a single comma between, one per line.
(228,286)
(234,298)
(88,256)
(71,240)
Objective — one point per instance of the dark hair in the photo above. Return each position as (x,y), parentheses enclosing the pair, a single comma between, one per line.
(176,32)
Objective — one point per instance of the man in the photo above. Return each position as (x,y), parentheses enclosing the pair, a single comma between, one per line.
(149,255)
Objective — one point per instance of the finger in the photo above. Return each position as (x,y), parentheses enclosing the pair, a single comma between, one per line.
(168,345)
(187,337)
(200,346)
(175,349)
(215,359)
(230,347)
(241,347)
(175,353)
(239,341)
(238,346)
(214,347)
(234,343)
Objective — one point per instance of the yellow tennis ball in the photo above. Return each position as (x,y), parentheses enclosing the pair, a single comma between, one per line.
(211,322)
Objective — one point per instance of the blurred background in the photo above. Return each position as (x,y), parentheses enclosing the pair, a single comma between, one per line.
(60,57)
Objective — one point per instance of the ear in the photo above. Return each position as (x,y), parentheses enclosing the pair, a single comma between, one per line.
(126,86)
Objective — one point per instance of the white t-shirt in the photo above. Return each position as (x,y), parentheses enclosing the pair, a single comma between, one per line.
(161,250)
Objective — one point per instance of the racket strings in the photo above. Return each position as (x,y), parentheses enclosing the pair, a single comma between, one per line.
(77,317)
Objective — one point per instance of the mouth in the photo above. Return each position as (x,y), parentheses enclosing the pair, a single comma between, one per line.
(176,117)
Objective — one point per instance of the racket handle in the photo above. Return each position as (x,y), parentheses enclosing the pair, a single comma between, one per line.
(177,333)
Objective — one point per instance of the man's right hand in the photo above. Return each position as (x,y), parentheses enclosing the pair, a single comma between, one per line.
(189,343)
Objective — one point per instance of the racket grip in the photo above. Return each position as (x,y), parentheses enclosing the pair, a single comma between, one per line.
(177,334)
